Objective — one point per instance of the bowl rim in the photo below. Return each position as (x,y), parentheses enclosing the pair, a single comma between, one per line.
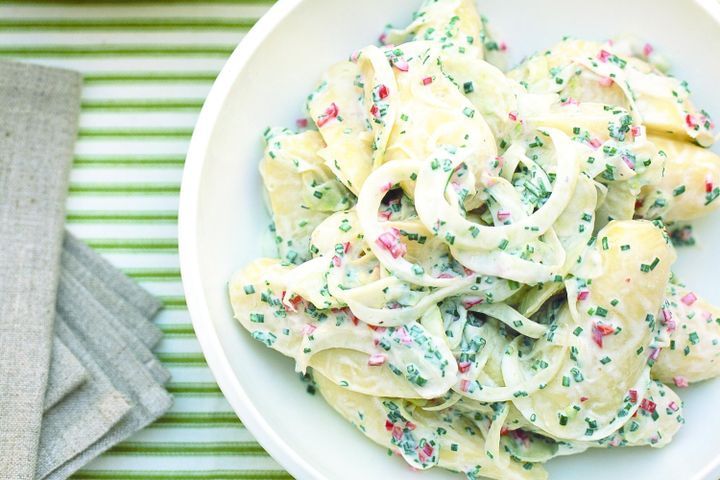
(205,331)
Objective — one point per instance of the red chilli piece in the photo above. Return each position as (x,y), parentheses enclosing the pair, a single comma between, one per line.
(383,91)
(708,183)
(583,295)
(632,393)
(308,329)
(330,112)
(603,55)
(689,299)
(595,143)
(513,116)
(584,398)
(680,381)
(401,64)
(648,405)
(606,81)
(375,111)
(504,431)
(464,385)
(599,331)
(390,241)
(428,450)
(376,359)
(648,49)
(301,122)
(389,425)
(463,367)
(427,80)
(691,121)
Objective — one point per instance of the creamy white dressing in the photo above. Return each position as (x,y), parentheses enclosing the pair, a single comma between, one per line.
(463,265)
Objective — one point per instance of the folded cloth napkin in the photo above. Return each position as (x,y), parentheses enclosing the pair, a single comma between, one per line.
(67,397)
(38,124)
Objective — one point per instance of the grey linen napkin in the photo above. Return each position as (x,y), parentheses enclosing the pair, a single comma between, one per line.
(39,109)
(101,383)
(103,319)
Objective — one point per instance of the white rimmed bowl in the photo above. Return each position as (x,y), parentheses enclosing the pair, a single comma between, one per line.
(222,217)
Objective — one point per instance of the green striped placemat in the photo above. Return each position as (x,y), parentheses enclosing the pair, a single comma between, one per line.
(148,67)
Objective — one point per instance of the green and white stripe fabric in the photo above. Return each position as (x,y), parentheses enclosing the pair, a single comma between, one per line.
(148,67)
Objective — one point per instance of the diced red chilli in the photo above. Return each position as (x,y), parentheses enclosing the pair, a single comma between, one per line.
(385,215)
(301,122)
(570,101)
(427,80)
(404,337)
(376,359)
(330,113)
(375,111)
(521,435)
(513,116)
(603,55)
(584,398)
(382,38)
(689,298)
(401,64)
(389,425)
(428,449)
(308,329)
(390,241)
(599,331)
(654,353)
(463,367)
(582,295)
(594,142)
(633,395)
(691,121)
(336,261)
(468,272)
(673,406)
(464,385)
(648,405)
(470,302)
(637,131)
(606,81)
(647,49)
(504,431)
(383,91)
(667,314)
(410,425)
(503,46)
(446,275)
(628,162)
(346,247)
(680,381)
(708,183)
(397,433)
(503,215)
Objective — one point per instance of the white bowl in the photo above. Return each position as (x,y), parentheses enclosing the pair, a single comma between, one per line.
(222,219)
